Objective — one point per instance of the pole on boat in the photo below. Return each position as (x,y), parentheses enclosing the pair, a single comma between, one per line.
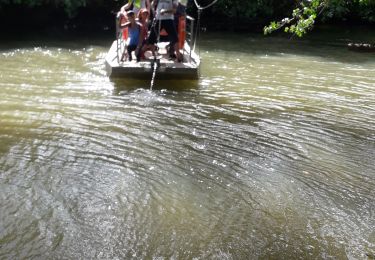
(156,62)
(117,37)
(200,10)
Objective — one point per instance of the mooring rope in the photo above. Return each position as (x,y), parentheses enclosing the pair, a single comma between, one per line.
(204,7)
(200,9)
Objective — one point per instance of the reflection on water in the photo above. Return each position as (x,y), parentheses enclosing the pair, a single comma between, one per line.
(268,155)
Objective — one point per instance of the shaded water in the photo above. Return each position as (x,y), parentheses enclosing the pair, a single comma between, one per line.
(269,155)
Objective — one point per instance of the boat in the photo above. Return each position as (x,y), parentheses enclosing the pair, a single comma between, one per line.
(159,66)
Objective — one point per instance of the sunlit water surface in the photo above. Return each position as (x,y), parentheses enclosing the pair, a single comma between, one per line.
(269,155)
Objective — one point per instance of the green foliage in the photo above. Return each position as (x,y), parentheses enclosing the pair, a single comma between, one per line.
(69,6)
(304,15)
(302,19)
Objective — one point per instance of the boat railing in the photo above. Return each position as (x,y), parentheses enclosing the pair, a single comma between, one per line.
(120,43)
(189,30)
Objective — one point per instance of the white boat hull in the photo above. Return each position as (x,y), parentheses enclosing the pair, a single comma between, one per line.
(166,69)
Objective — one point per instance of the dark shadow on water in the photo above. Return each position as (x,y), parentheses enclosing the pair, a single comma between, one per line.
(73,42)
(124,85)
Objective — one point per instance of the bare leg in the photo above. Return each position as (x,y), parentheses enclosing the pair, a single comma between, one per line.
(124,55)
(149,47)
(179,55)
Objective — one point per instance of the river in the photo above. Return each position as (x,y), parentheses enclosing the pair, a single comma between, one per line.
(270,155)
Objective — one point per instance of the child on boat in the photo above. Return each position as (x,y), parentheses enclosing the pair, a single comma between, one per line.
(135,37)
(143,16)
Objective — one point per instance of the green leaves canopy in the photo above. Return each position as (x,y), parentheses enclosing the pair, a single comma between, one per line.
(70,6)
(304,15)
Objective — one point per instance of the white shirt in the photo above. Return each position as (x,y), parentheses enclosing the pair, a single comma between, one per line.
(166,5)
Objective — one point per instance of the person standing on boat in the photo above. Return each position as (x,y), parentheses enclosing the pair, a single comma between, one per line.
(136,6)
(179,15)
(164,19)
(135,37)
(143,18)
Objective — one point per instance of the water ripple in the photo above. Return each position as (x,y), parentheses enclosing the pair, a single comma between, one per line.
(270,156)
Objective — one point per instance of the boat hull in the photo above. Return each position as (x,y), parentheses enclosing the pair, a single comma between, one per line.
(165,69)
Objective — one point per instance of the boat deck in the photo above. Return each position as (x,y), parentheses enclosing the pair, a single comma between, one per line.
(165,68)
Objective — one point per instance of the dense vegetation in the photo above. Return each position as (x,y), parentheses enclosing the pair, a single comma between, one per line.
(293,16)
(305,14)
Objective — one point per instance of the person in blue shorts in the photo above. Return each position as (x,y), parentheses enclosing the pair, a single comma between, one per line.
(135,37)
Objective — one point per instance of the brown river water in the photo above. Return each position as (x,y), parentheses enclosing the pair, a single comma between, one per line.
(270,155)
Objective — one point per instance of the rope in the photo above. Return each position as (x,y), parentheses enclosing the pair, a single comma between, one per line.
(159,28)
(155,27)
(200,9)
(204,7)
(197,30)
(154,21)
(117,36)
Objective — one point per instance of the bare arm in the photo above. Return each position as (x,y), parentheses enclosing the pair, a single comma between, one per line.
(148,6)
(123,26)
(153,6)
(126,6)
